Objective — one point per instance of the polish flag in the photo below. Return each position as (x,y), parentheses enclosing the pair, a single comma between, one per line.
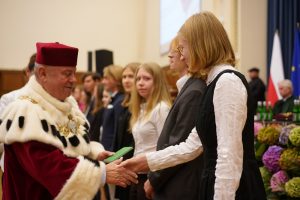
(276,71)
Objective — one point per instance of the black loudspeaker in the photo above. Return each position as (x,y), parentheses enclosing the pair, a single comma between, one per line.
(103,59)
(90,61)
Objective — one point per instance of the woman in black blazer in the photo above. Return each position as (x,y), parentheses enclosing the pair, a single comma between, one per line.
(112,81)
(123,137)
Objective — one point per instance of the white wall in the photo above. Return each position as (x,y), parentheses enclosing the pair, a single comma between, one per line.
(245,23)
(150,44)
(129,28)
(252,16)
(89,25)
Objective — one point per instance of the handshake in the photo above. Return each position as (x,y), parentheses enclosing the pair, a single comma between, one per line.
(123,173)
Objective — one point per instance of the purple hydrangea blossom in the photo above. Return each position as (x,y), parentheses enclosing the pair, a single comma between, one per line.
(284,134)
(271,158)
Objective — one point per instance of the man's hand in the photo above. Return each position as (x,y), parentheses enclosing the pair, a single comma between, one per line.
(118,175)
(149,190)
(136,164)
(104,154)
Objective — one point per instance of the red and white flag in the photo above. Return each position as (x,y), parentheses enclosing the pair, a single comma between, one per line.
(276,71)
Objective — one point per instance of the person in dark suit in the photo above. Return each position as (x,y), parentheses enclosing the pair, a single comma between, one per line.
(112,81)
(90,81)
(123,137)
(98,111)
(167,182)
(256,85)
(285,104)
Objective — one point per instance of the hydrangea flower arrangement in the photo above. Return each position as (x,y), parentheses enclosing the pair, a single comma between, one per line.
(266,176)
(271,158)
(278,150)
(278,180)
(292,187)
(294,137)
(290,160)
(268,135)
(284,134)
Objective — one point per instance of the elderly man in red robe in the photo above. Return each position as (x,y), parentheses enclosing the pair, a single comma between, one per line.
(48,154)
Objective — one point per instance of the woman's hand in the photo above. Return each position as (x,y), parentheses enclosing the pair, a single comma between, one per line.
(136,164)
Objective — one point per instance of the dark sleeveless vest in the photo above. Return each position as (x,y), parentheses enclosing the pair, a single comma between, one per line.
(251,185)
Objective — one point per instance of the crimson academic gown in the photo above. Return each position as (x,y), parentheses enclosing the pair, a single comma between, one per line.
(48,154)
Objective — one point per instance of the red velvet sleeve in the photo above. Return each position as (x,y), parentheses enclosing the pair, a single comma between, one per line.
(45,163)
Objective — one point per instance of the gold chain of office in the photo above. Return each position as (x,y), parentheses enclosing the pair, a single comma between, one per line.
(66,129)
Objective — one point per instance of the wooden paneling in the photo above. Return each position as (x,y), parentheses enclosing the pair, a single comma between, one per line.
(13,79)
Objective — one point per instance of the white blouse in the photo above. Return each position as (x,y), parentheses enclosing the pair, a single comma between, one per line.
(147,129)
(230,104)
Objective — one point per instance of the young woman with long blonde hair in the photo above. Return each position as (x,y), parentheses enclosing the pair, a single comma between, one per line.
(149,105)
(123,137)
(225,118)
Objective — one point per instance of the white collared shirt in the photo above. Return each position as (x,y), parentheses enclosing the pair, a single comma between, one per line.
(114,94)
(147,130)
(181,82)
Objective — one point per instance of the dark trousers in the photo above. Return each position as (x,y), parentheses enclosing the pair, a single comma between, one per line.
(137,191)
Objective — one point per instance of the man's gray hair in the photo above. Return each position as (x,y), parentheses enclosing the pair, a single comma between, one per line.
(286,83)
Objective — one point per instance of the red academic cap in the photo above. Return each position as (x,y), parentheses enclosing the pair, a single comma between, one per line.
(56,54)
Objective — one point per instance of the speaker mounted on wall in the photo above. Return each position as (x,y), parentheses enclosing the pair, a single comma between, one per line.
(103,58)
(90,61)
